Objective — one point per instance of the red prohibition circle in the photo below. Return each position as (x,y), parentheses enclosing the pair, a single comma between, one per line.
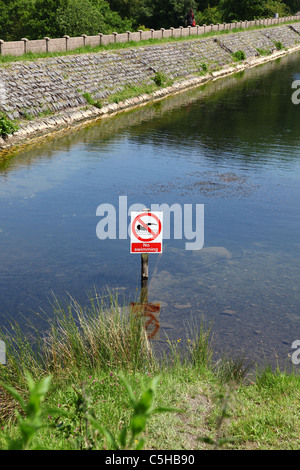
(154,235)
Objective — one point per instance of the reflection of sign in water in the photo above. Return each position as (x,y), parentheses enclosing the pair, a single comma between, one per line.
(2,353)
(151,313)
(146,232)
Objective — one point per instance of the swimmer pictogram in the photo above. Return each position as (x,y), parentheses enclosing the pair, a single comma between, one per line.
(146,232)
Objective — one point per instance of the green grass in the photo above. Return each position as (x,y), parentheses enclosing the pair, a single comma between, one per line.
(102,394)
(263,52)
(92,101)
(133,90)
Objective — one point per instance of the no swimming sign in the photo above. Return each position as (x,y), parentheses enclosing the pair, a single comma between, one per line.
(146,232)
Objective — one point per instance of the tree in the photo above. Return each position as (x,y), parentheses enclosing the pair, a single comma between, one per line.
(276,6)
(211,15)
(126,8)
(14,15)
(43,19)
(294,5)
(165,13)
(76,17)
(250,9)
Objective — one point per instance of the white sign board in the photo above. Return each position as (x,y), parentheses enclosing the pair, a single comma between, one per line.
(146,232)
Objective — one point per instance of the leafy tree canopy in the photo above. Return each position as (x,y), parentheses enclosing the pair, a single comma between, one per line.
(36,19)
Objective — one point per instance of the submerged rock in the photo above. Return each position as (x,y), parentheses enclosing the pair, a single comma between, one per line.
(213,253)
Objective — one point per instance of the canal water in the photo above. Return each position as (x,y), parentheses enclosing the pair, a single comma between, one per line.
(231,146)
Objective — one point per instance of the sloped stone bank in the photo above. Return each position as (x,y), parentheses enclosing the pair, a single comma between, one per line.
(48,94)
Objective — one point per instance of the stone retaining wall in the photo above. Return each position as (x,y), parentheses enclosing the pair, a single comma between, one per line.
(50,90)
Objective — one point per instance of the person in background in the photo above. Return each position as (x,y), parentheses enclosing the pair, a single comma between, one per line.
(190,19)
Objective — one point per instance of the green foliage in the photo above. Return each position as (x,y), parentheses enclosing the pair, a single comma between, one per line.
(76,17)
(42,20)
(82,416)
(159,79)
(30,423)
(130,436)
(263,52)
(90,100)
(164,13)
(278,45)
(14,19)
(251,9)
(211,15)
(294,5)
(276,6)
(239,55)
(6,126)
(234,369)
(36,19)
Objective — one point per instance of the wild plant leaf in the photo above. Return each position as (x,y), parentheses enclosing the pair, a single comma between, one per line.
(59,412)
(123,436)
(16,395)
(165,409)
(105,432)
(144,403)
(129,390)
(138,424)
(225,440)
(207,440)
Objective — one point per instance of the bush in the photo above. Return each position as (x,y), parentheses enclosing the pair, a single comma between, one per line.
(239,55)
(6,126)
(159,79)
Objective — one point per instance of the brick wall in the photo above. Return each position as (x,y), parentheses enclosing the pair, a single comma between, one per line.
(69,43)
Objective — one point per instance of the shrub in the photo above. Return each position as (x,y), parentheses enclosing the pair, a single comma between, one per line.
(91,100)
(278,45)
(6,126)
(159,78)
(239,55)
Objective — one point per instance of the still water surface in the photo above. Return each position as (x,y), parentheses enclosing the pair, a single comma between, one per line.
(232,146)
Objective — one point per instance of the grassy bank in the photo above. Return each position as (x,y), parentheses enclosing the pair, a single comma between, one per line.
(95,382)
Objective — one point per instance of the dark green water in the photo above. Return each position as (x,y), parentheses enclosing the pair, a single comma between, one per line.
(232,146)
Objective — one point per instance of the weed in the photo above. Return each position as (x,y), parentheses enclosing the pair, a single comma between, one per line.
(225,400)
(130,91)
(7,126)
(88,97)
(83,419)
(31,423)
(160,79)
(263,52)
(143,409)
(239,55)
(233,369)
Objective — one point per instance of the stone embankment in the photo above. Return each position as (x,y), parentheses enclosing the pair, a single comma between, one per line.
(46,94)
